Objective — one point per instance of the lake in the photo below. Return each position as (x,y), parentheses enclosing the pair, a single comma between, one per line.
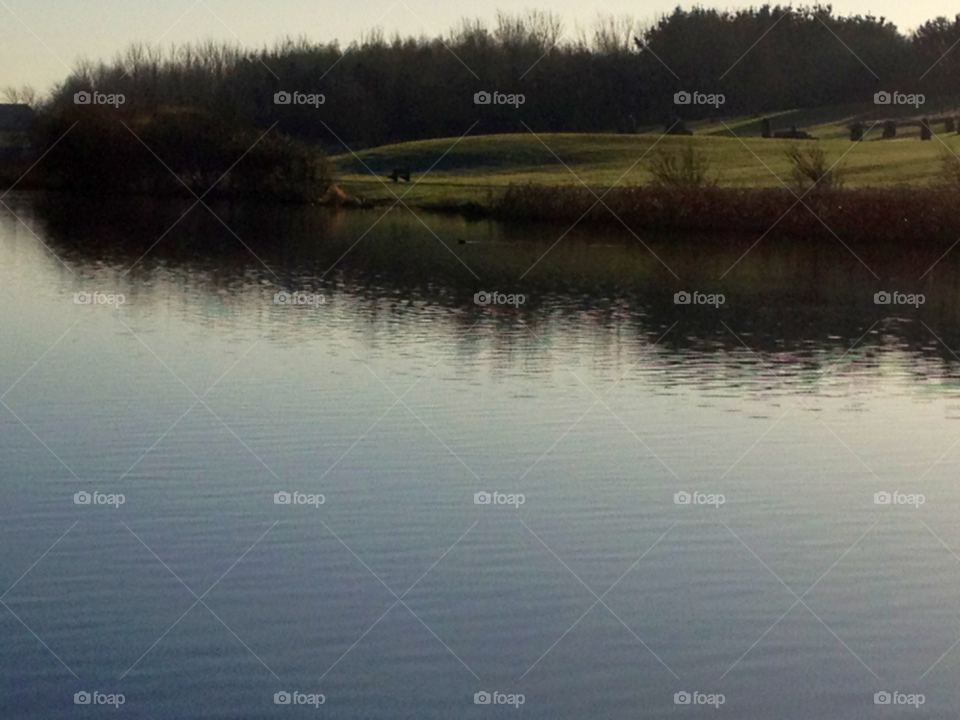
(372,466)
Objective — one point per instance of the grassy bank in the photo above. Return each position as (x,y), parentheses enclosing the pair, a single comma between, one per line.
(892,189)
(481,168)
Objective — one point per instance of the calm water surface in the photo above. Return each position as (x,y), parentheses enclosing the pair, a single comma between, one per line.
(398,400)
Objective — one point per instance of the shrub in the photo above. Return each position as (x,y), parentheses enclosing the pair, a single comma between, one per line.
(811,169)
(687,167)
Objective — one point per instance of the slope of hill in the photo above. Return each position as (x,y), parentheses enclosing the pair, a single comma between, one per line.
(480,167)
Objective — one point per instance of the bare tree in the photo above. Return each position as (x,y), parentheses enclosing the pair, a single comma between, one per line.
(535,29)
(25,95)
(613,34)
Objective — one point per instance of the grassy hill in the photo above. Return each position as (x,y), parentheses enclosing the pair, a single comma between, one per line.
(480,167)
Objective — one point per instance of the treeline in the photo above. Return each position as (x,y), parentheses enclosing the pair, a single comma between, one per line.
(174,153)
(617,76)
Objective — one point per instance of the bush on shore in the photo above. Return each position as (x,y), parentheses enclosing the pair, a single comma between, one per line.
(686,167)
(811,170)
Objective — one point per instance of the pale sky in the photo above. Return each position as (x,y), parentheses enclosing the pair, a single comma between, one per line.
(41,39)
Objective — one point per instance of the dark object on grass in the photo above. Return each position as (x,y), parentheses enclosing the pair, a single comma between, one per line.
(925,132)
(676,126)
(794,134)
(949,125)
(856,132)
(765,128)
(400,173)
(889,129)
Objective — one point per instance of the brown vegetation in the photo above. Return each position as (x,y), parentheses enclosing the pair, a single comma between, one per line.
(869,214)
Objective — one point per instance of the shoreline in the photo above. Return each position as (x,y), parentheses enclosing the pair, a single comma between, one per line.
(901,215)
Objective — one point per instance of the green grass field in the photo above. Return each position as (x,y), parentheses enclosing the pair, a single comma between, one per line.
(479,168)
